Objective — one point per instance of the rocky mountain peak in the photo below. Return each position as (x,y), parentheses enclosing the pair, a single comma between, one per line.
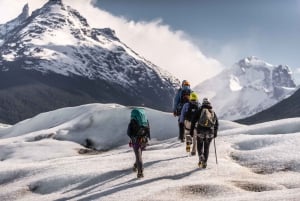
(250,86)
(252,62)
(12,24)
(282,76)
(255,70)
(25,12)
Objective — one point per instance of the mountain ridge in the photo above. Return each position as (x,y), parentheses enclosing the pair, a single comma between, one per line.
(57,41)
(249,86)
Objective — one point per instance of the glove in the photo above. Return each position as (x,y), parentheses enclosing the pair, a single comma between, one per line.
(215,134)
(130,143)
(175,114)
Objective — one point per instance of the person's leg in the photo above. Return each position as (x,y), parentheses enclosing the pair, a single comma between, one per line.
(194,143)
(200,146)
(207,142)
(188,140)
(138,159)
(181,131)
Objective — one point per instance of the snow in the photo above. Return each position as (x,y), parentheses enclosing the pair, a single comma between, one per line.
(43,158)
(249,86)
(234,83)
(11,56)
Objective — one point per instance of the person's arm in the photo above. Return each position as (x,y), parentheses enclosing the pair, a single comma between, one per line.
(216,127)
(175,102)
(183,112)
(149,131)
(129,129)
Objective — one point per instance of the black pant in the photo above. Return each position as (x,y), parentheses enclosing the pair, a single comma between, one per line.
(203,144)
(138,158)
(181,131)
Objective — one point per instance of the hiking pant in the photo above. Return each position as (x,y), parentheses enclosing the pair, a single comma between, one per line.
(181,130)
(204,139)
(138,158)
(187,127)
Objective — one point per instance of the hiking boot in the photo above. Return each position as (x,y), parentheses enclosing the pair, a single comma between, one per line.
(134,168)
(202,164)
(140,175)
(201,158)
(188,147)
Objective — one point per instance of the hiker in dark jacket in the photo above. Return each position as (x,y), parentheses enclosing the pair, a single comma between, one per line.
(207,129)
(181,97)
(188,111)
(139,132)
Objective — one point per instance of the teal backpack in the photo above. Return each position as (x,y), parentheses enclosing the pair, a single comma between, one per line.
(139,115)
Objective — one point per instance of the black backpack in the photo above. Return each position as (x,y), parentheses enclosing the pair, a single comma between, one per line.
(193,108)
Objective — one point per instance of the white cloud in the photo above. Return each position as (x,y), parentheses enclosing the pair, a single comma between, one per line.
(157,42)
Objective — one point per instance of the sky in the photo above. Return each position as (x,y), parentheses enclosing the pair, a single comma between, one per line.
(42,158)
(194,40)
(226,30)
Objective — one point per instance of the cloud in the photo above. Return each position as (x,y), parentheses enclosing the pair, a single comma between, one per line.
(169,49)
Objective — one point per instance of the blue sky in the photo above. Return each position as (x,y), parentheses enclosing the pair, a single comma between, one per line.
(226,30)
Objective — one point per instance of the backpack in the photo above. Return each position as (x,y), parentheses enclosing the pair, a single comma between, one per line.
(184,92)
(207,118)
(193,108)
(139,115)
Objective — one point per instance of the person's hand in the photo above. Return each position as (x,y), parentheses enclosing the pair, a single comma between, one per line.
(174,113)
(215,134)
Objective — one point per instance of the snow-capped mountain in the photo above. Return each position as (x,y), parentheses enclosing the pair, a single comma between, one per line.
(250,86)
(287,108)
(9,26)
(55,51)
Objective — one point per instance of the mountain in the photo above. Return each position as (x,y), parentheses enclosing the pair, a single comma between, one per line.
(287,108)
(248,87)
(53,59)
(9,26)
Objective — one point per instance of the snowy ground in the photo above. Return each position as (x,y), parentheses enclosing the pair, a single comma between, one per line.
(43,159)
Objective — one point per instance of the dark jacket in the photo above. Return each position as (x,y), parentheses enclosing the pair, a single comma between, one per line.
(178,99)
(134,129)
(213,131)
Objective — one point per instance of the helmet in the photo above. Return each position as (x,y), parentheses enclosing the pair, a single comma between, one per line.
(185,83)
(205,101)
(193,97)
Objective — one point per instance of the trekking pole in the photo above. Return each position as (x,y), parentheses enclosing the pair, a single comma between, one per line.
(216,152)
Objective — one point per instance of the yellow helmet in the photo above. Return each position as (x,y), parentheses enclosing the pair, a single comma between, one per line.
(193,97)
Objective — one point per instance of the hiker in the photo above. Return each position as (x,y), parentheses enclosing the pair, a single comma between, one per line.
(181,97)
(139,133)
(188,111)
(207,128)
